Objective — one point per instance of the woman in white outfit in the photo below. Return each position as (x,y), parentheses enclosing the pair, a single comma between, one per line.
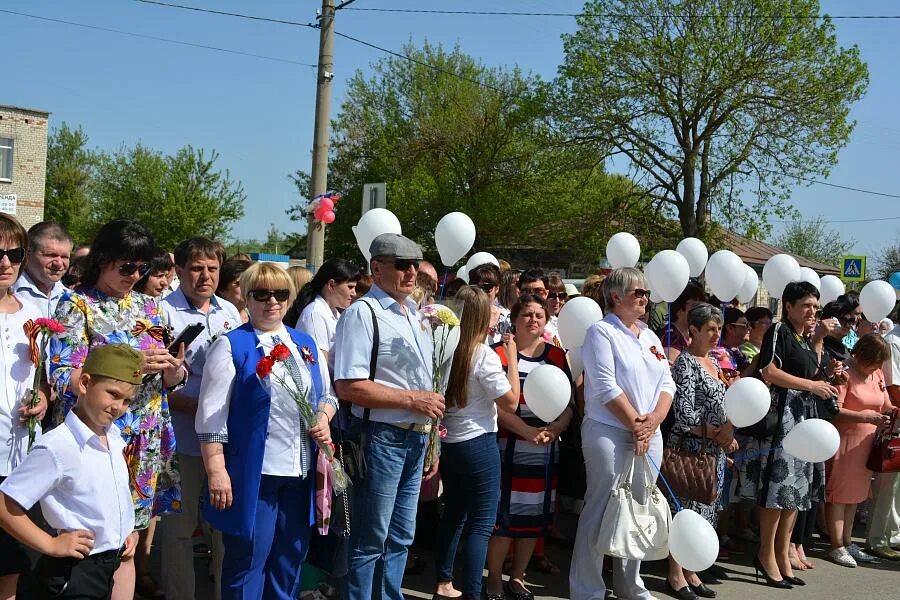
(627,393)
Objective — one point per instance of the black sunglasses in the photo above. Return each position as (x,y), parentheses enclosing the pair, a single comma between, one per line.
(403,264)
(266,295)
(639,293)
(127,269)
(15,255)
(557,296)
(487,287)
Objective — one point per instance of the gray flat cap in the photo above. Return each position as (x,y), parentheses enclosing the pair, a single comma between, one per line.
(395,245)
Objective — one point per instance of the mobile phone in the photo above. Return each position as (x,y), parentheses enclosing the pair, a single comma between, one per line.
(186,337)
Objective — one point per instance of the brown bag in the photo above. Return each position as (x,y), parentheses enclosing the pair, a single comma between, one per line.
(691,476)
(885,455)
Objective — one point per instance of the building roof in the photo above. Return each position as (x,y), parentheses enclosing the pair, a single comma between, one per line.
(35,111)
(756,253)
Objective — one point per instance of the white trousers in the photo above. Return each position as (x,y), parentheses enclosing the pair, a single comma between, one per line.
(605,450)
(884,511)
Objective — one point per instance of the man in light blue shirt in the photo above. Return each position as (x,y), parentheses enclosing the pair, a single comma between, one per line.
(197,262)
(399,404)
(49,248)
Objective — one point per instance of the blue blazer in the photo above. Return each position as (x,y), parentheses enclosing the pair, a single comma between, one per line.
(248,424)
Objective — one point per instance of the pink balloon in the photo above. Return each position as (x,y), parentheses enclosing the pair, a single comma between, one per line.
(326,203)
(319,213)
(328,217)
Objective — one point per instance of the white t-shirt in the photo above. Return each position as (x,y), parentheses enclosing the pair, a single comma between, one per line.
(487,382)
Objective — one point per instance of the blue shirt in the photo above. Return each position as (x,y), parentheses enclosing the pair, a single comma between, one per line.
(25,288)
(404,352)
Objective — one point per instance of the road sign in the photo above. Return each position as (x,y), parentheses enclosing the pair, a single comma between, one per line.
(374,196)
(853,268)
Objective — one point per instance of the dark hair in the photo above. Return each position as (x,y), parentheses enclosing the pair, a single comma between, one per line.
(757,313)
(198,246)
(730,315)
(120,239)
(453,286)
(339,269)
(837,309)
(161,263)
(72,278)
(523,301)
(231,271)
(693,291)
(532,275)
(11,231)
(871,349)
(798,290)
(46,230)
(486,273)
(851,299)
(363,285)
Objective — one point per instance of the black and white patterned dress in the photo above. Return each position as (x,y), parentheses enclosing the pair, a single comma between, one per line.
(699,398)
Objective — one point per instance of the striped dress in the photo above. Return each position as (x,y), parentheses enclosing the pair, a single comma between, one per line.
(528,475)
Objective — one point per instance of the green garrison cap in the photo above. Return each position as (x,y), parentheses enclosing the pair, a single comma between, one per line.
(116,361)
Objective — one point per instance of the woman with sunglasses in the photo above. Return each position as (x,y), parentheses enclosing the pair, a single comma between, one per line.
(259,453)
(487,277)
(627,393)
(18,370)
(556,298)
(105,309)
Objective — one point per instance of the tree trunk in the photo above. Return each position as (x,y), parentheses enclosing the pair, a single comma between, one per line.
(686,214)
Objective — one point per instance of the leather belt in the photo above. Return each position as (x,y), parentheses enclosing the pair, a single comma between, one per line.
(417,427)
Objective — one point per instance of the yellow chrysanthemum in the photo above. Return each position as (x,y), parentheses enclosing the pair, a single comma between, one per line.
(447,317)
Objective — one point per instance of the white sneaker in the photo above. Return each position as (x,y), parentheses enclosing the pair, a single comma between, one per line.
(840,556)
(860,556)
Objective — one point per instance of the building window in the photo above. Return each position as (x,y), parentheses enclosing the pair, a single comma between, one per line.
(6,159)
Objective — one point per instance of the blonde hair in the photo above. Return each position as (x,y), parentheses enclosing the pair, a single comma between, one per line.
(300,276)
(267,276)
(474,319)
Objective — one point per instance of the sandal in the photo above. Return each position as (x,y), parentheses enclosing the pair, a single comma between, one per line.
(523,595)
(542,564)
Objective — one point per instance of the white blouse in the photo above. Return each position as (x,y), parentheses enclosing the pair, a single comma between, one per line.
(320,322)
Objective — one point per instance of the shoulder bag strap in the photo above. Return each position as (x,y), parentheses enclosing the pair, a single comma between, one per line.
(373,363)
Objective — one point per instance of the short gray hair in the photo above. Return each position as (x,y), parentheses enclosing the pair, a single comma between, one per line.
(703,313)
(619,282)
(44,231)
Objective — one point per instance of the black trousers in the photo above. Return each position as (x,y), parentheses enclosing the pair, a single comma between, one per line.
(90,578)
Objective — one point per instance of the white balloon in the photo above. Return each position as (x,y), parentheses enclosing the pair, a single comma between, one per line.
(750,286)
(779,271)
(725,274)
(480,258)
(696,254)
(747,401)
(807,274)
(462,273)
(547,391)
(877,300)
(668,273)
(655,297)
(576,362)
(693,542)
(812,440)
(832,287)
(574,319)
(372,224)
(454,236)
(623,250)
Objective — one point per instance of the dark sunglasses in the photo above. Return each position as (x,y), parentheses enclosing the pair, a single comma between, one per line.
(851,320)
(557,296)
(403,264)
(266,295)
(639,293)
(487,287)
(127,269)
(15,255)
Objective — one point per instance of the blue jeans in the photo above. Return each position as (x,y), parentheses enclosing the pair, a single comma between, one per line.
(470,472)
(384,515)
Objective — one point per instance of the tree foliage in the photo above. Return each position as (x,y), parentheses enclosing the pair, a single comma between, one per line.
(813,239)
(70,168)
(708,98)
(887,261)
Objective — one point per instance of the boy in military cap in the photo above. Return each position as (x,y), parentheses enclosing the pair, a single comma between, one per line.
(78,474)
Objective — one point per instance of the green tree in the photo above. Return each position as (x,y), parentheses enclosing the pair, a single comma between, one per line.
(706,98)
(70,166)
(813,239)
(886,262)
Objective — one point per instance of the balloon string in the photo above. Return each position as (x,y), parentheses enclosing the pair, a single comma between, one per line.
(669,324)
(444,282)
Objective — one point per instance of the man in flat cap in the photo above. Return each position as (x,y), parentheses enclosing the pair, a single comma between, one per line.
(390,390)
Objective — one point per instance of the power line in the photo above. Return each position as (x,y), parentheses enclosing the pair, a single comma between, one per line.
(158,39)
(515,13)
(228,14)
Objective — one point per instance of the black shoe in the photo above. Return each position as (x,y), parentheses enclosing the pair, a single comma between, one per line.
(684,593)
(702,591)
(794,580)
(779,584)
(717,572)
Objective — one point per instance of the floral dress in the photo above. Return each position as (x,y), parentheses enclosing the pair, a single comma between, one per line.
(92,318)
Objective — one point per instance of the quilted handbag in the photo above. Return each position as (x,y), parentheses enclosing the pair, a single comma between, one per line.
(632,530)
(885,455)
(691,475)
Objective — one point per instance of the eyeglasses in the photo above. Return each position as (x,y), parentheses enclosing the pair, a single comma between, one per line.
(639,293)
(538,292)
(557,296)
(127,269)
(741,325)
(851,320)
(15,255)
(266,295)
(487,287)
(403,264)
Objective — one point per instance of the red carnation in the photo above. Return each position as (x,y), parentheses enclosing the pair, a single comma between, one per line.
(51,325)
(264,366)
(280,352)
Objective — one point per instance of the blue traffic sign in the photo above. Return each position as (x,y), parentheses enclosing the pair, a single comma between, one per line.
(853,268)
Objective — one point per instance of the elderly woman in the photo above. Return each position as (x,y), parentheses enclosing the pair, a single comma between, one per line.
(790,359)
(259,451)
(106,309)
(628,392)
(700,425)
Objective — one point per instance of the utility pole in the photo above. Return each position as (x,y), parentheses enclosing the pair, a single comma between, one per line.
(315,232)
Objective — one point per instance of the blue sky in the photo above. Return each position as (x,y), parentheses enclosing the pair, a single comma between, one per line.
(258,114)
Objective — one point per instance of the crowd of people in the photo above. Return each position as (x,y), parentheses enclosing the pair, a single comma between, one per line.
(207,394)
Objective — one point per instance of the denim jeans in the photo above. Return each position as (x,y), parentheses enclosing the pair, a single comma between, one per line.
(384,514)
(470,472)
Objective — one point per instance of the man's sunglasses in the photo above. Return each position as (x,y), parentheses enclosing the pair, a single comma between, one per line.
(639,293)
(557,296)
(15,255)
(403,264)
(127,269)
(266,295)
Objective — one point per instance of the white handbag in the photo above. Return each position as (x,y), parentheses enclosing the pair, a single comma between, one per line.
(632,530)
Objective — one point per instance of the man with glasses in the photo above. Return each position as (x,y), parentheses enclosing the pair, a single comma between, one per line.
(393,408)
(534,281)
(49,247)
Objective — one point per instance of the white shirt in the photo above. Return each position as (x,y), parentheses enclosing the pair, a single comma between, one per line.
(487,382)
(25,288)
(891,367)
(285,447)
(320,321)
(79,482)
(18,378)
(221,317)
(616,362)
(404,352)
